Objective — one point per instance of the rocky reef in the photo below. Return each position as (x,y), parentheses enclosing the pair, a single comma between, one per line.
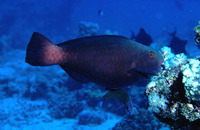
(173,94)
(88,29)
(197,31)
(141,119)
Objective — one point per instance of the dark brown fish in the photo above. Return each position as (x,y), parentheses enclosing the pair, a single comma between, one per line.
(111,61)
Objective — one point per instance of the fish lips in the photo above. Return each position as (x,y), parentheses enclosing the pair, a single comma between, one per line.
(152,73)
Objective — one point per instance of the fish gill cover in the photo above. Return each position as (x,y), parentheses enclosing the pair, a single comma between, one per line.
(44,98)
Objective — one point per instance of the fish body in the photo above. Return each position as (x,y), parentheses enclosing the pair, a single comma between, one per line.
(111,61)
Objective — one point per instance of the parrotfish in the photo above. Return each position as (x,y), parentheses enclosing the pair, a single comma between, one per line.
(108,60)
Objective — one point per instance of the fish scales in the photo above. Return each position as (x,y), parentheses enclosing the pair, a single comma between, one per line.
(111,61)
(97,67)
(108,60)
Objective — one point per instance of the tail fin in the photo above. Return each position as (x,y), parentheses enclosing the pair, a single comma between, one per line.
(42,52)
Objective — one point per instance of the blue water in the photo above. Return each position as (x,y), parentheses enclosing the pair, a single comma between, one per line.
(43,98)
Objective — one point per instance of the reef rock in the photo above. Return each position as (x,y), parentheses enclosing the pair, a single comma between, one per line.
(173,94)
(141,119)
(87,29)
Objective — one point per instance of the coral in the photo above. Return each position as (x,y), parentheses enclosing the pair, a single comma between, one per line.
(190,112)
(173,94)
(61,106)
(108,32)
(91,117)
(37,91)
(191,80)
(141,119)
(171,60)
(34,87)
(88,29)
(19,112)
(90,93)
(157,102)
(197,31)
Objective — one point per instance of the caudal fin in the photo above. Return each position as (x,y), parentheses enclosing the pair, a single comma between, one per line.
(42,52)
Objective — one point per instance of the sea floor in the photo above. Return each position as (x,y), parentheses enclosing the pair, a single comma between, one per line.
(25,103)
(19,112)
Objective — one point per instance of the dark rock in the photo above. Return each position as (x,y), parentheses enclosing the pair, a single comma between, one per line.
(177,45)
(142,37)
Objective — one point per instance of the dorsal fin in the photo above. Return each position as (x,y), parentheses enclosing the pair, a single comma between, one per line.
(86,40)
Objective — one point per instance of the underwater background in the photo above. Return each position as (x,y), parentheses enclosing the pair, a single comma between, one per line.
(42,98)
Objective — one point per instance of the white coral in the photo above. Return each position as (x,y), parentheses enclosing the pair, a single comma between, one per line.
(156,103)
(171,60)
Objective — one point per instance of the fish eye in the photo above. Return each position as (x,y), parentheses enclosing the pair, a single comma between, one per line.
(151,54)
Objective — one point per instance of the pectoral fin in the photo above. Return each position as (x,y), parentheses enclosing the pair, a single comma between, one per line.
(74,75)
(121,95)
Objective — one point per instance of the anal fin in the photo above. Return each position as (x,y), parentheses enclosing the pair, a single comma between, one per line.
(121,95)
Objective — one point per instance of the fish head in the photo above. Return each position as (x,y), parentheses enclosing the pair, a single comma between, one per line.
(149,61)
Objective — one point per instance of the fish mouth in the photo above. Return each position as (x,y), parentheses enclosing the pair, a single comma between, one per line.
(146,75)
